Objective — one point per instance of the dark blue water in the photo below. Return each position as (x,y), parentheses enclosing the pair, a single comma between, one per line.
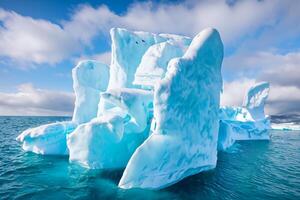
(252,170)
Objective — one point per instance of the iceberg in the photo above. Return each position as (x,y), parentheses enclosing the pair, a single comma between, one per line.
(108,141)
(103,144)
(225,136)
(127,51)
(89,79)
(137,104)
(186,122)
(99,143)
(154,63)
(128,48)
(47,139)
(248,122)
(155,111)
(255,100)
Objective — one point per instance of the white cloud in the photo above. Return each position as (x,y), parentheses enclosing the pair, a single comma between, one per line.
(40,41)
(234,92)
(279,69)
(256,28)
(284,34)
(282,99)
(34,41)
(233,22)
(32,101)
(101,57)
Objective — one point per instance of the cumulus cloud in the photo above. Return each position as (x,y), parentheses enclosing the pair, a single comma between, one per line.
(32,101)
(279,69)
(31,40)
(282,99)
(101,57)
(234,92)
(259,38)
(40,41)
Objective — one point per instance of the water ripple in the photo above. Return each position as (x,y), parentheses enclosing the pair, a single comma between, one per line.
(250,170)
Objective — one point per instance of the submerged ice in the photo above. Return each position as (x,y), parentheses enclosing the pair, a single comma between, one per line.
(154,111)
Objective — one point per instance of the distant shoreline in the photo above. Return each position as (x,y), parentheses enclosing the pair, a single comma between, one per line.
(34,116)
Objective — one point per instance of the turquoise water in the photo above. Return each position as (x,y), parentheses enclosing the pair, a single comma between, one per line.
(251,170)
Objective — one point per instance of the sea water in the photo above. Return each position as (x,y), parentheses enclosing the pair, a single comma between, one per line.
(249,170)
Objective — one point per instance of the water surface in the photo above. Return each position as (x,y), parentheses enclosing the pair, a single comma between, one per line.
(250,170)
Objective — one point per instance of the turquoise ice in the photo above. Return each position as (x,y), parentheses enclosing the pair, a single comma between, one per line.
(47,139)
(108,141)
(248,122)
(154,111)
(154,63)
(128,48)
(186,122)
(89,79)
(123,105)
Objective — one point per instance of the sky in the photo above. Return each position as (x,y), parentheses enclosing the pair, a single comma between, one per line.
(41,41)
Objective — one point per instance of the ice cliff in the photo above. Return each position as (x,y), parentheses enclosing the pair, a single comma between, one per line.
(154,111)
(186,106)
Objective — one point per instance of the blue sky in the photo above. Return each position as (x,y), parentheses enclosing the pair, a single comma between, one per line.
(41,41)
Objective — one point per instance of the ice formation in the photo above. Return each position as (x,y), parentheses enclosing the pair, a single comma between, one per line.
(102,143)
(248,122)
(47,139)
(186,106)
(154,63)
(129,47)
(89,79)
(255,100)
(136,103)
(107,142)
(225,137)
(122,104)
(154,110)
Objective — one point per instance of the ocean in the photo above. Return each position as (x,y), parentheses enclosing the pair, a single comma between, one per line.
(250,170)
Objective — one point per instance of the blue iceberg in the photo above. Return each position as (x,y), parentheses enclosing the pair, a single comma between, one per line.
(248,122)
(128,106)
(155,111)
(108,141)
(89,79)
(47,139)
(186,107)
